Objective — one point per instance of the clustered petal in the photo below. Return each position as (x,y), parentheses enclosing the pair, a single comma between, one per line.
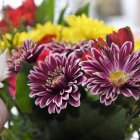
(60,47)
(80,49)
(28,52)
(115,70)
(54,82)
(108,68)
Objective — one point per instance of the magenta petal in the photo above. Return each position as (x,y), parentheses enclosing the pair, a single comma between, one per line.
(115,48)
(65,96)
(52,61)
(74,88)
(74,102)
(58,110)
(58,101)
(102,98)
(49,101)
(126,92)
(51,108)
(135,94)
(96,54)
(81,79)
(37,101)
(43,102)
(108,101)
(38,93)
(69,89)
(76,96)
(64,105)
(95,89)
(127,46)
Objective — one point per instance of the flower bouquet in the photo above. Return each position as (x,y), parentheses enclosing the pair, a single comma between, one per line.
(76,79)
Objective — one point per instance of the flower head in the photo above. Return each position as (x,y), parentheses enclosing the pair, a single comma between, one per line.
(41,34)
(83,27)
(54,82)
(80,49)
(113,71)
(61,47)
(28,52)
(83,49)
(120,37)
(14,17)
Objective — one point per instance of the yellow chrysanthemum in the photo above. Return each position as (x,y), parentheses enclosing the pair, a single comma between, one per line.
(38,33)
(5,41)
(137,45)
(83,27)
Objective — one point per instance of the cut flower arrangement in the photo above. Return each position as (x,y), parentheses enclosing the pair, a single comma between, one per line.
(77,79)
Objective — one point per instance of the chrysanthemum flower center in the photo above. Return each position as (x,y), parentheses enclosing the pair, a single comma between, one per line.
(56,79)
(118,77)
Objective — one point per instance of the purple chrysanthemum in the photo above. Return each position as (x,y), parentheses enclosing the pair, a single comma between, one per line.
(54,82)
(28,52)
(113,71)
(60,47)
(67,48)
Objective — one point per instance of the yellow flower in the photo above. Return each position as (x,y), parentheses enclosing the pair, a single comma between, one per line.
(38,33)
(137,45)
(83,27)
(4,42)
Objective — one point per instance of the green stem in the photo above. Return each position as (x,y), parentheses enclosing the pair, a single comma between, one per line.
(134,114)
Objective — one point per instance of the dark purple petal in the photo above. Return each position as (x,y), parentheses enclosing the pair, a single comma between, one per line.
(126,92)
(74,102)
(112,71)
(96,54)
(65,96)
(64,105)
(108,101)
(76,96)
(51,108)
(102,98)
(58,110)
(28,52)
(43,102)
(95,89)
(54,82)
(58,101)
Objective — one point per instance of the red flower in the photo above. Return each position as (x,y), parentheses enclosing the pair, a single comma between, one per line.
(24,14)
(29,11)
(12,84)
(120,37)
(42,56)
(99,44)
(47,39)
(85,56)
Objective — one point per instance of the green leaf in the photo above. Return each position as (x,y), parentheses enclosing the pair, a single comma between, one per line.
(61,17)
(50,9)
(22,128)
(83,10)
(90,121)
(45,11)
(6,134)
(22,90)
(92,97)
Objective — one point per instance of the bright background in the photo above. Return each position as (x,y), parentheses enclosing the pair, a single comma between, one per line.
(117,12)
